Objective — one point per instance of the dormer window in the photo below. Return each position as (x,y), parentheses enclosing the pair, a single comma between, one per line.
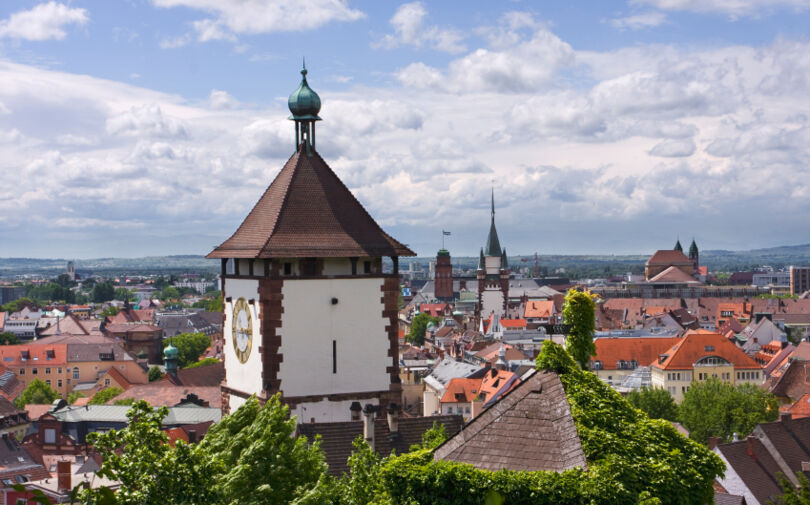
(25,355)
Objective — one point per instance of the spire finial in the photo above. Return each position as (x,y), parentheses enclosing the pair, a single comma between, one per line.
(304,67)
(493,203)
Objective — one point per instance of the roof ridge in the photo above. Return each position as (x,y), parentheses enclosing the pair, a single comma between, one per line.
(283,199)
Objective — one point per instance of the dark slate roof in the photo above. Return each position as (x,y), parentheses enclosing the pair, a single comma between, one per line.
(529,429)
(10,385)
(794,381)
(208,375)
(308,212)
(97,352)
(728,499)
(790,438)
(337,438)
(755,466)
(15,460)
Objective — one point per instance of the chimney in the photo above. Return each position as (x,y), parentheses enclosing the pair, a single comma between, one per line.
(713,441)
(393,418)
(192,436)
(63,475)
(356,409)
(368,424)
(749,446)
(785,418)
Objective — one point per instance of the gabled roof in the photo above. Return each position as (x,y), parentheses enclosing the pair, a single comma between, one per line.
(308,212)
(697,344)
(754,465)
(673,274)
(208,375)
(513,323)
(668,257)
(530,428)
(643,350)
(539,308)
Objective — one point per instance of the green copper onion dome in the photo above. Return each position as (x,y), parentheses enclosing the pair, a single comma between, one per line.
(304,103)
(170,351)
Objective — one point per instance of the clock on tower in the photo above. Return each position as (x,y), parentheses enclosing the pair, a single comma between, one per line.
(309,311)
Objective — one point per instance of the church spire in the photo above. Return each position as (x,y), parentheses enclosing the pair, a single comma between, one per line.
(493,244)
(304,105)
(678,246)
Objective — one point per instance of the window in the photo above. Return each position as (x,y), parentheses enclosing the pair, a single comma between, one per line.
(59,383)
(22,371)
(367,267)
(50,436)
(459,410)
(287,268)
(334,356)
(75,372)
(47,371)
(106,382)
(48,382)
(33,371)
(59,370)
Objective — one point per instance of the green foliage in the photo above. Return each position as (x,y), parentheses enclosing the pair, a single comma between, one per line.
(125,401)
(18,304)
(202,362)
(418,328)
(791,495)
(718,409)
(102,292)
(36,392)
(73,396)
(657,403)
(105,395)
(151,471)
(578,311)
(155,374)
(214,304)
(434,437)
(169,293)
(51,291)
(265,462)
(8,338)
(122,294)
(109,311)
(190,347)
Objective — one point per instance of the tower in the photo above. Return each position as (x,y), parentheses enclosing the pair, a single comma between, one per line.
(678,246)
(492,273)
(71,270)
(309,311)
(443,279)
(170,358)
(693,255)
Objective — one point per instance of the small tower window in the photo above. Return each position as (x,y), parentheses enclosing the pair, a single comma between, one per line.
(367,267)
(288,268)
(334,356)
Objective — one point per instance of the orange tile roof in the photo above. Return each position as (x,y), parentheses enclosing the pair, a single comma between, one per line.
(433,309)
(37,354)
(668,257)
(644,350)
(697,344)
(494,381)
(800,409)
(539,308)
(119,378)
(673,274)
(460,390)
(513,323)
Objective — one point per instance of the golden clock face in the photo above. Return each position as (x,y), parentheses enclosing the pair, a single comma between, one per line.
(242,329)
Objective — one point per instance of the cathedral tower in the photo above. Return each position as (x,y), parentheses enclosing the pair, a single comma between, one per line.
(492,273)
(309,311)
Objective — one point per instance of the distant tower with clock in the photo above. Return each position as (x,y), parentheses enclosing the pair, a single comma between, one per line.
(309,311)
(492,274)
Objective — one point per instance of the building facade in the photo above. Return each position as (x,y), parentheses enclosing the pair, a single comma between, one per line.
(799,280)
(309,311)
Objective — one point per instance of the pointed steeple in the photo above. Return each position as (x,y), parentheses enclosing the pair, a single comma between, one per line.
(481,260)
(678,246)
(493,244)
(504,262)
(693,249)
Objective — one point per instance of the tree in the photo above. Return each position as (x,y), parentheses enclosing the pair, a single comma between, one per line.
(65,281)
(73,396)
(190,347)
(418,328)
(8,338)
(109,311)
(791,495)
(169,293)
(265,462)
(579,313)
(102,292)
(122,294)
(151,471)
(718,409)
(655,402)
(202,362)
(105,395)
(155,374)
(36,392)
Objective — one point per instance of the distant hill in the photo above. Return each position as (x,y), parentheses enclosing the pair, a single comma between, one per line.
(575,265)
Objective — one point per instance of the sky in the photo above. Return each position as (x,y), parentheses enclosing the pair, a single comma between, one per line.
(151,127)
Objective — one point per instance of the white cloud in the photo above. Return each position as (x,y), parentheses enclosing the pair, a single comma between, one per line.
(410,29)
(175,42)
(145,120)
(732,8)
(219,99)
(43,22)
(674,148)
(639,21)
(250,17)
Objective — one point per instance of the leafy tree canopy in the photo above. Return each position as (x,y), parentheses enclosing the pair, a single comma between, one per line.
(105,395)
(155,374)
(203,362)
(190,347)
(36,392)
(657,403)
(73,396)
(579,313)
(102,292)
(8,338)
(419,326)
(714,408)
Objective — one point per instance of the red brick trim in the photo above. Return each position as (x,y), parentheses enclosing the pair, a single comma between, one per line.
(271,298)
(390,301)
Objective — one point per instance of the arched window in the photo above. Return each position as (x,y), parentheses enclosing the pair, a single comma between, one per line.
(712,361)
(76,372)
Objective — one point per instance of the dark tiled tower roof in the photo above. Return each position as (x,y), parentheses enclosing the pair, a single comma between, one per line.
(493,244)
(308,212)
